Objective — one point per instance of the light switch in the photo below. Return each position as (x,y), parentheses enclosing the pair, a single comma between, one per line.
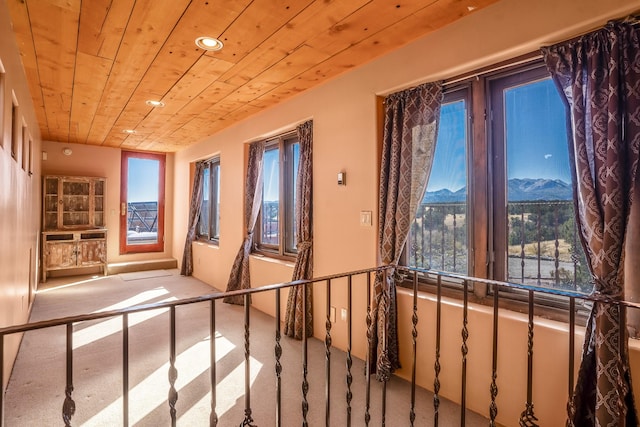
(365,218)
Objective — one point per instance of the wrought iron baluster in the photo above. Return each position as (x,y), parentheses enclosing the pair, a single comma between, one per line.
(248,421)
(422,221)
(125,369)
(367,404)
(493,407)
(430,237)
(327,353)
(305,367)
(69,406)
(349,395)
(173,372)
(2,380)
(527,417)
(278,354)
(572,344)
(442,240)
(436,380)
(213,417)
(539,228)
(522,242)
(414,334)
(453,208)
(556,254)
(464,351)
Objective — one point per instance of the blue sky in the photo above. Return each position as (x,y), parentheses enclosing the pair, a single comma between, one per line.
(142,185)
(535,131)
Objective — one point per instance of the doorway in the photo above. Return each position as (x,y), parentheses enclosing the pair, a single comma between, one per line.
(142,202)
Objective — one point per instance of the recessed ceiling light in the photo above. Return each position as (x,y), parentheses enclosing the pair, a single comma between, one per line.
(209,43)
(152,103)
(471,8)
(129,131)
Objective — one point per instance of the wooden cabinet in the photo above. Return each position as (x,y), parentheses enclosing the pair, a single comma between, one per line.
(71,202)
(73,220)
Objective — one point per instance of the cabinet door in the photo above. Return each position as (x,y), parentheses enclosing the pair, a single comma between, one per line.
(60,254)
(91,252)
(75,202)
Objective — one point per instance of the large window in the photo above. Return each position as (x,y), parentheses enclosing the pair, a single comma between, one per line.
(536,240)
(439,234)
(209,221)
(509,214)
(276,226)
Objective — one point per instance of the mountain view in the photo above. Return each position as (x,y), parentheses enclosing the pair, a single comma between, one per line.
(520,190)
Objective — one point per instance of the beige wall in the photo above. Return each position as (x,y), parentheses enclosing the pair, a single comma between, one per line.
(82,162)
(345,138)
(19,195)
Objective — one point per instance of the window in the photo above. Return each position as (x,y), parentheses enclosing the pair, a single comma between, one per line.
(521,225)
(438,238)
(209,221)
(536,240)
(25,148)
(276,225)
(142,202)
(15,131)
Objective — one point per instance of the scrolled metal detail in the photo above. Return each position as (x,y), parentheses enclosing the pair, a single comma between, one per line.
(173,393)
(68,406)
(527,418)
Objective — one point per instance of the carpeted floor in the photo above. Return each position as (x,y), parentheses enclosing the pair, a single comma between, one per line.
(36,389)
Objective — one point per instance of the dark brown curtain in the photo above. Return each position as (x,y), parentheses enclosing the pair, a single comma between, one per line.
(304,239)
(239,277)
(186,269)
(410,131)
(599,77)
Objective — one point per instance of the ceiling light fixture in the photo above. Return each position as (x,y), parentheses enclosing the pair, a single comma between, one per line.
(129,131)
(67,151)
(209,43)
(152,103)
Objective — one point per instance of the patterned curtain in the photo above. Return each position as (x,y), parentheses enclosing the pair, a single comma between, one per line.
(304,238)
(239,277)
(186,269)
(599,75)
(410,131)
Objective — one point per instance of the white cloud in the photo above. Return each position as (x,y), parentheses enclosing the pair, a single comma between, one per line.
(546,156)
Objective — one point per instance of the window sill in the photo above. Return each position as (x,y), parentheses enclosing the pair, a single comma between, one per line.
(283,261)
(205,242)
(517,304)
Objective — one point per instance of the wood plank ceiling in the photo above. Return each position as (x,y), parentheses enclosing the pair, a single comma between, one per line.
(92,64)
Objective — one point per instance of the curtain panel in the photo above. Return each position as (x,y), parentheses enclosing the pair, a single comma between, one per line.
(303,269)
(239,276)
(409,136)
(186,269)
(598,76)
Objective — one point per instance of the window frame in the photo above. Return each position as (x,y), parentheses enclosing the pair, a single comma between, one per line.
(454,93)
(214,210)
(482,178)
(285,249)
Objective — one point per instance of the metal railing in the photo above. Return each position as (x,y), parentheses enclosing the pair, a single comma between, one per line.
(365,279)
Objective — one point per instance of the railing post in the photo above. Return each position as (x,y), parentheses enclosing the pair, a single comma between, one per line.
(2,390)
(367,404)
(414,334)
(305,382)
(436,366)
(69,406)
(493,407)
(327,352)
(278,354)
(213,417)
(173,372)
(125,369)
(527,417)
(349,342)
(464,351)
(248,421)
